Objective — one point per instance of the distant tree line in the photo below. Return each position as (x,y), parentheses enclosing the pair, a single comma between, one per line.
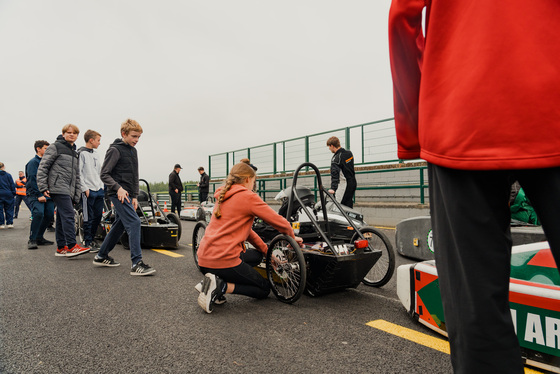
(164,186)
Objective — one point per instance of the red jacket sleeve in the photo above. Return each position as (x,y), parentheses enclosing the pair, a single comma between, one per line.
(406,46)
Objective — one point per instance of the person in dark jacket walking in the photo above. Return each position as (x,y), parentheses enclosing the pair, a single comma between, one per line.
(175,189)
(7,198)
(203,185)
(120,175)
(343,177)
(42,207)
(58,177)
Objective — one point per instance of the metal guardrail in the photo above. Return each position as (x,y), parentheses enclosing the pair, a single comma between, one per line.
(272,185)
(373,143)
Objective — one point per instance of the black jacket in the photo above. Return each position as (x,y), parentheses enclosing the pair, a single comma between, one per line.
(342,163)
(204,184)
(120,169)
(175,182)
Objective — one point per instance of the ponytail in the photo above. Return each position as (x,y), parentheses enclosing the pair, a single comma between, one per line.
(239,172)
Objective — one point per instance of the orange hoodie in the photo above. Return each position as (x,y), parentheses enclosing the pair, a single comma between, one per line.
(222,243)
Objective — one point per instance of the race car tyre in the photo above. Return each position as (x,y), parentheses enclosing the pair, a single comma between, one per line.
(174,218)
(200,214)
(80,222)
(76,220)
(383,269)
(198,234)
(285,269)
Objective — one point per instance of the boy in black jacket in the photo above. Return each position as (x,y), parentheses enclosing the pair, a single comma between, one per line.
(120,175)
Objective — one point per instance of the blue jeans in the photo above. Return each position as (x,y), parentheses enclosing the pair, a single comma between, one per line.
(42,214)
(19,199)
(65,221)
(6,207)
(92,207)
(125,219)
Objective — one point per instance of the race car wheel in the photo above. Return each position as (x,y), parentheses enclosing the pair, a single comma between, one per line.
(285,269)
(80,222)
(174,218)
(76,220)
(383,269)
(198,234)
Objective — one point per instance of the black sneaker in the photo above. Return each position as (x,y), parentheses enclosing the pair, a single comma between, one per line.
(32,244)
(100,261)
(212,290)
(93,247)
(142,269)
(44,241)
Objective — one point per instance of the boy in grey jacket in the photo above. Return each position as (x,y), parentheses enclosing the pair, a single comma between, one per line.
(92,187)
(58,177)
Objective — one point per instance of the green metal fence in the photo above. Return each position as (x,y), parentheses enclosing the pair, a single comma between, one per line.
(414,183)
(371,143)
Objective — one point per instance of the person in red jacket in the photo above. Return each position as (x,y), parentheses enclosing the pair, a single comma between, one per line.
(222,257)
(477,97)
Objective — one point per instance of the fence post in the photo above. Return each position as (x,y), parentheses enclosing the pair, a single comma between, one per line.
(283,157)
(421,186)
(227,164)
(274,156)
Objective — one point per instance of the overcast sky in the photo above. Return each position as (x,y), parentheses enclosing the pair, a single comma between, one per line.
(201,77)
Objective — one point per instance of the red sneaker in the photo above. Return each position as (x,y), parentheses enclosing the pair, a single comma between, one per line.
(61,252)
(76,250)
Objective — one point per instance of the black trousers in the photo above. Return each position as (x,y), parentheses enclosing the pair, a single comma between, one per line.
(175,202)
(202,196)
(472,244)
(247,280)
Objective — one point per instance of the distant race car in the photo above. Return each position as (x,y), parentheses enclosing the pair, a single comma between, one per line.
(197,212)
(534,301)
(192,212)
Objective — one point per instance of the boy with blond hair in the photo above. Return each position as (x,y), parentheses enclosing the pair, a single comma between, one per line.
(120,175)
(58,177)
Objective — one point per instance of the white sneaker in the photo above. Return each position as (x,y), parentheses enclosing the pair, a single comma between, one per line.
(2,227)
(10,226)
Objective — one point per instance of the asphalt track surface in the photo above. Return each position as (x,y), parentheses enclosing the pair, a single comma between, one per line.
(60,315)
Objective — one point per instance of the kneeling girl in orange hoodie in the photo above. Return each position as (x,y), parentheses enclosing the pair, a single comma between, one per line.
(227,266)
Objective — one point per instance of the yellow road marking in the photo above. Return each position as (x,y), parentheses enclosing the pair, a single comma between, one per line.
(420,338)
(386,227)
(168,253)
(414,336)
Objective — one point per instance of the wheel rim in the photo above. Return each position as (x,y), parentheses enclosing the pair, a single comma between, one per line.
(284,275)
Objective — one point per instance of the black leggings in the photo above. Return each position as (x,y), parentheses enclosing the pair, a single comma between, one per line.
(247,280)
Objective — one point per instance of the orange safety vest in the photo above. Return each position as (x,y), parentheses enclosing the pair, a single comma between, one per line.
(20,186)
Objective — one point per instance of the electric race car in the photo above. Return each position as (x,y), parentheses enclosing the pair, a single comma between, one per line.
(158,229)
(334,256)
(195,212)
(534,301)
